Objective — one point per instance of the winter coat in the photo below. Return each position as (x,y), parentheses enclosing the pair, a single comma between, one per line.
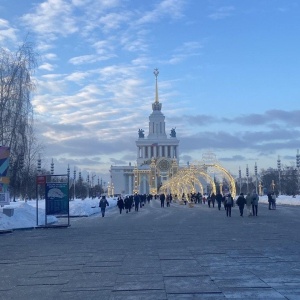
(229,201)
(103,203)
(162,197)
(248,200)
(126,203)
(136,199)
(219,198)
(120,203)
(241,201)
(255,199)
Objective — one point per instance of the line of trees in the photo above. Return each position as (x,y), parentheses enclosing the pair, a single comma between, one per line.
(16,116)
(284,182)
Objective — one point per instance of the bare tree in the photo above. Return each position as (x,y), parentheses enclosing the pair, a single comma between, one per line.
(16,112)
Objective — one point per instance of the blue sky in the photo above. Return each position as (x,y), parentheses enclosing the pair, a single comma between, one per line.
(228,82)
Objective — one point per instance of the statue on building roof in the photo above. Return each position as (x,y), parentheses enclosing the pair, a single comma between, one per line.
(173,132)
(141,133)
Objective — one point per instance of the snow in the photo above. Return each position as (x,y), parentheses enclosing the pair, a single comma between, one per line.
(24,215)
(25,212)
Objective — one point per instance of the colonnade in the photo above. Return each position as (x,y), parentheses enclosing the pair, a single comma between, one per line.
(150,151)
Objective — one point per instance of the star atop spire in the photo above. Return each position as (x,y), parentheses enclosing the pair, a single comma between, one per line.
(156,105)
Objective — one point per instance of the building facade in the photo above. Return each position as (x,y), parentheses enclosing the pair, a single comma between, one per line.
(157,157)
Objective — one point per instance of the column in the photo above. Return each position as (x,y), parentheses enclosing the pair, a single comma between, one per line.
(160,151)
(149,151)
(155,151)
(166,151)
(144,185)
(144,152)
(130,189)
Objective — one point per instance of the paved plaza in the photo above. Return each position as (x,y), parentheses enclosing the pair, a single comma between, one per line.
(174,252)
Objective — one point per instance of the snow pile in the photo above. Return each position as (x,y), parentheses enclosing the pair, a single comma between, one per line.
(25,212)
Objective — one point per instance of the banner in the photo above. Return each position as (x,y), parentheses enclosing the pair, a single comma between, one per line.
(4,179)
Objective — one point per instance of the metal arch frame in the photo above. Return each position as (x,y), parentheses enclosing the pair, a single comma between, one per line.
(187,176)
(184,178)
(228,175)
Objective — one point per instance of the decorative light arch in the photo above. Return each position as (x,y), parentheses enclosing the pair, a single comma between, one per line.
(185,179)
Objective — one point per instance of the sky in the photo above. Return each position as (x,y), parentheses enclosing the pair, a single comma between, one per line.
(228,81)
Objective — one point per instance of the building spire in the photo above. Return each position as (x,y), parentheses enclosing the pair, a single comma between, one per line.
(156,72)
(156,105)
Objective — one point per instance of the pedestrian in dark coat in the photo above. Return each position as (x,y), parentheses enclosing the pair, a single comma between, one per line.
(126,204)
(208,200)
(120,204)
(162,198)
(219,198)
(213,199)
(102,204)
(136,202)
(270,200)
(228,204)
(241,201)
(255,200)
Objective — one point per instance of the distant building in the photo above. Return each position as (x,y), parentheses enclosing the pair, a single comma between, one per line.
(157,157)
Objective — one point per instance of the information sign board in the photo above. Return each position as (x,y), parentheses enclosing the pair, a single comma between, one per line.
(57,198)
(4,198)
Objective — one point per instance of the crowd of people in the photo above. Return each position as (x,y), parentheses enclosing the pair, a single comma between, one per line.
(137,201)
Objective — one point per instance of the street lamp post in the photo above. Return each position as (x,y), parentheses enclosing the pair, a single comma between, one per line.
(88,182)
(240,179)
(52,167)
(74,181)
(255,172)
(279,171)
(247,175)
(298,166)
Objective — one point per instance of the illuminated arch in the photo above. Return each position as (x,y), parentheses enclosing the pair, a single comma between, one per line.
(186,178)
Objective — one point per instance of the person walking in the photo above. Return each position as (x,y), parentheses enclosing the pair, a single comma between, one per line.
(183,198)
(241,201)
(120,204)
(208,200)
(255,200)
(273,200)
(248,204)
(162,198)
(126,204)
(270,200)
(219,198)
(213,199)
(136,202)
(168,200)
(102,204)
(228,204)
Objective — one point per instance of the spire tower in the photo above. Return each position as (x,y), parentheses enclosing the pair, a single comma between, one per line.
(156,106)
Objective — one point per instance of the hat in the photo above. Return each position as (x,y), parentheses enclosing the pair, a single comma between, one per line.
(103,197)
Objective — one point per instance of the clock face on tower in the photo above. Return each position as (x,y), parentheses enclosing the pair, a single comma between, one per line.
(164,165)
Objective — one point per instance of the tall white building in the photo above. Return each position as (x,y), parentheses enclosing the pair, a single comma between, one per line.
(157,157)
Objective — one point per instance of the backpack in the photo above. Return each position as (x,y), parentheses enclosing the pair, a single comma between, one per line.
(228,200)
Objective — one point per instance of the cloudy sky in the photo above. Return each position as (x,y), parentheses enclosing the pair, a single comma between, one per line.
(228,82)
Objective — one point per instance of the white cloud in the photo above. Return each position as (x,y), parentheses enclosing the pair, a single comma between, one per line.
(171,8)
(51,18)
(46,67)
(7,32)
(222,13)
